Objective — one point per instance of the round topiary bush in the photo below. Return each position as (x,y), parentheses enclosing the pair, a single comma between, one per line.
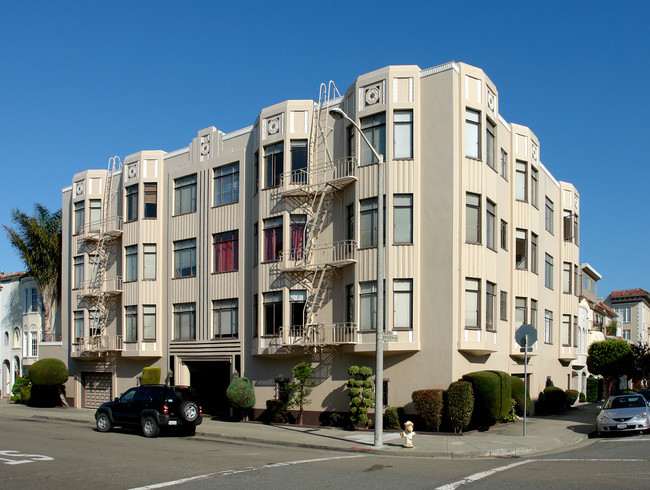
(571,397)
(48,372)
(240,393)
(150,375)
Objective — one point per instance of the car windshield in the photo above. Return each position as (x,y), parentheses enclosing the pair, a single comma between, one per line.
(625,402)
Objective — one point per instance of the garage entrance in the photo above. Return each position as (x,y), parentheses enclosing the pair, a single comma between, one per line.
(97,389)
(210,379)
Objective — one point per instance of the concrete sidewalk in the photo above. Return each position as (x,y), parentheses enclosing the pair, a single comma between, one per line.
(543,434)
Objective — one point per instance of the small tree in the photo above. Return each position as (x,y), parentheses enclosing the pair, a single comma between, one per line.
(240,394)
(300,388)
(641,353)
(611,359)
(362,395)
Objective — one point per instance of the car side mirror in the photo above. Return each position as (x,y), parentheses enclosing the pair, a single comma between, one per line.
(117,399)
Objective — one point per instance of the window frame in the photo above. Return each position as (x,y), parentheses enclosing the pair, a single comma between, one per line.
(272,310)
(473,222)
(521,181)
(146,317)
(273,238)
(549,216)
(490,224)
(150,200)
(402,218)
(79,217)
(131,323)
(490,306)
(403,125)
(131,203)
(185,195)
(548,271)
(402,294)
(221,177)
(299,161)
(490,144)
(374,128)
(225,259)
(548,326)
(184,250)
(131,263)
(147,266)
(221,307)
(473,128)
(273,164)
(474,292)
(521,264)
(184,312)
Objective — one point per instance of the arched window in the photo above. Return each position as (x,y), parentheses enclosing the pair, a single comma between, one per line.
(6,337)
(16,340)
(16,367)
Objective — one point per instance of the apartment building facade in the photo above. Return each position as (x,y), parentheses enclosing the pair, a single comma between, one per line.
(248,252)
(633,308)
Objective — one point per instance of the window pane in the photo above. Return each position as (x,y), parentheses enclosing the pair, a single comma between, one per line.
(403,226)
(403,128)
(402,303)
(472,303)
(472,131)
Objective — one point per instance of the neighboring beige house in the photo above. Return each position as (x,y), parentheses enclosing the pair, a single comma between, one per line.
(633,308)
(251,251)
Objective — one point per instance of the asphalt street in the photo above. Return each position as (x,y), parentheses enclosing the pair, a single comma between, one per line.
(54,454)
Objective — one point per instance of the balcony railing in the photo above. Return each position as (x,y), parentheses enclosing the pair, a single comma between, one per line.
(109,286)
(51,337)
(97,344)
(339,173)
(111,227)
(318,334)
(337,254)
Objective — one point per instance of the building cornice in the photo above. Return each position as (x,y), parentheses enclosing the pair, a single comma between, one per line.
(439,69)
(176,153)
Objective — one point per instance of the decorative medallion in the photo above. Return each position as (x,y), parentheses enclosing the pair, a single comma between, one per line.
(372,96)
(133,170)
(274,126)
(490,100)
(205,149)
(534,152)
(79,189)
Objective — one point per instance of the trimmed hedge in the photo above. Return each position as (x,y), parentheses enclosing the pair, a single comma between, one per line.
(582,398)
(460,404)
(150,376)
(428,405)
(393,418)
(518,386)
(593,389)
(571,397)
(48,372)
(492,397)
(276,411)
(555,399)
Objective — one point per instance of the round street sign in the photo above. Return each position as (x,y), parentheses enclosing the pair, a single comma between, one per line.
(523,332)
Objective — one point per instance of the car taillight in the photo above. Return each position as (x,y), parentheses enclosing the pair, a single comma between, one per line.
(200,410)
(165,409)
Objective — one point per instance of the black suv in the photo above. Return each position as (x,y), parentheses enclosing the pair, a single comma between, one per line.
(152,407)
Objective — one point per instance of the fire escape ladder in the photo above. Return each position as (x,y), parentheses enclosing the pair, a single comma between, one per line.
(316,295)
(98,274)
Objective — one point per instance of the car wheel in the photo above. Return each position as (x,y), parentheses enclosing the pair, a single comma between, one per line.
(189,411)
(103,423)
(150,427)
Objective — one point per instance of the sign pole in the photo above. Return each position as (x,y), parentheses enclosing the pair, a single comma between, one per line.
(525,379)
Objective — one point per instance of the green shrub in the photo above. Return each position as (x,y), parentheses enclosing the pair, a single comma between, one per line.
(240,393)
(276,411)
(555,399)
(511,416)
(460,404)
(428,405)
(518,386)
(22,390)
(490,401)
(48,372)
(571,397)
(582,397)
(361,393)
(150,376)
(334,419)
(393,418)
(593,389)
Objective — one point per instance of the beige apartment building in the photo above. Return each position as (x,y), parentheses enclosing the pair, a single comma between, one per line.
(249,252)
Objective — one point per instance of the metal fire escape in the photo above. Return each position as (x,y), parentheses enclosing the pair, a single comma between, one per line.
(100,290)
(316,262)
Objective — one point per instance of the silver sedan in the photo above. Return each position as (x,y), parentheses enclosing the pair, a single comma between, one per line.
(624,413)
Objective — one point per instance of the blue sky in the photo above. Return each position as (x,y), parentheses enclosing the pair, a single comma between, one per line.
(83,81)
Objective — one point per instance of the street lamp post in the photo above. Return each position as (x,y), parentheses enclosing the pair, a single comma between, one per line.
(379,328)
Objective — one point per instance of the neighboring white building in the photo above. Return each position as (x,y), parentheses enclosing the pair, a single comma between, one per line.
(251,251)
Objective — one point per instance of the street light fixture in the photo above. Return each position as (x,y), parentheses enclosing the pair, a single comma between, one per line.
(338,114)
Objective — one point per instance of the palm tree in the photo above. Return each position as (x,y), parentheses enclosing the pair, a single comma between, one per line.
(38,242)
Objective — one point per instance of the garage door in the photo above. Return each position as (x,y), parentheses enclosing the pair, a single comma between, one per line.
(97,389)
